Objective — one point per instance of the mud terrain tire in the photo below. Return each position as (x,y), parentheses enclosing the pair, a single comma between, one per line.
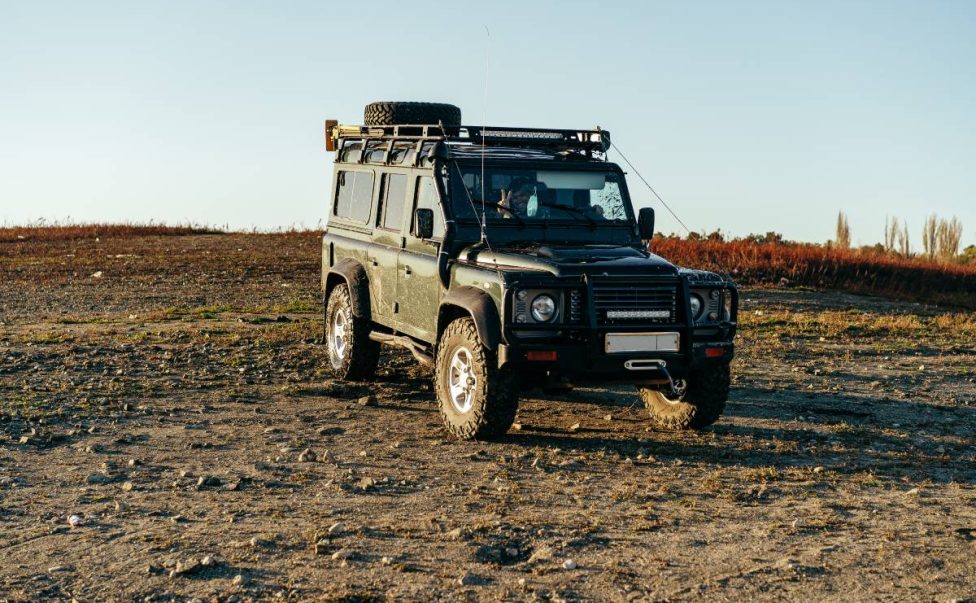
(477,400)
(352,354)
(392,113)
(701,404)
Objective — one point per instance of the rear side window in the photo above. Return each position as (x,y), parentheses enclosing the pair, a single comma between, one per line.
(395,197)
(427,198)
(354,195)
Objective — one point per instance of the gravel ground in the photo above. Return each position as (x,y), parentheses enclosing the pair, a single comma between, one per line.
(177,404)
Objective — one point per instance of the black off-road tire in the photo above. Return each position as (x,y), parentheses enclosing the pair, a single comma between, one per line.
(403,112)
(361,354)
(494,400)
(701,404)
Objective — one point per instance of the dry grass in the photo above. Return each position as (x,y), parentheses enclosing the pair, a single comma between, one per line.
(809,265)
(67,232)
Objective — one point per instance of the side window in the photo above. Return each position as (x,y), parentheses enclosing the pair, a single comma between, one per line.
(427,198)
(354,195)
(394,198)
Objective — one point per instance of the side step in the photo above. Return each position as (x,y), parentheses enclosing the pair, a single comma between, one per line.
(418,351)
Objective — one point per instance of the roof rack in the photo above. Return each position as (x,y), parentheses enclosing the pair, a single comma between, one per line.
(588,142)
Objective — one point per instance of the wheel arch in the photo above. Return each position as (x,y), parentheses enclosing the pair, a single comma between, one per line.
(351,273)
(476,304)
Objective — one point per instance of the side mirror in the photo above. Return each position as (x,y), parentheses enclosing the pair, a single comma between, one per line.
(645,223)
(423,223)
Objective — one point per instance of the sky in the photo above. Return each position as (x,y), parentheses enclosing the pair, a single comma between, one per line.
(745,116)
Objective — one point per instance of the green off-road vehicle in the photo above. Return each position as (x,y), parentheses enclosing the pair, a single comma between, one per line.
(511,258)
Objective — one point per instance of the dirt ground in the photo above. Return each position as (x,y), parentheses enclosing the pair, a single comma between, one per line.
(167,390)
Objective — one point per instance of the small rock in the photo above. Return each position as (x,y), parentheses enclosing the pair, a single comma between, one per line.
(128,486)
(787,563)
(818,469)
(342,554)
(98,478)
(574,427)
(569,564)
(321,546)
(75,520)
(466,579)
(366,483)
(208,560)
(238,580)
(797,523)
(912,492)
(512,552)
(456,534)
(608,417)
(208,481)
(185,473)
(336,528)
(97,274)
(134,462)
(121,506)
(516,427)
(387,560)
(369,400)
(307,456)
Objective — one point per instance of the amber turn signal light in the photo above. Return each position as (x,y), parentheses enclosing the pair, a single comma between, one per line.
(330,124)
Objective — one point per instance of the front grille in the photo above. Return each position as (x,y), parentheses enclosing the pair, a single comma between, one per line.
(639,303)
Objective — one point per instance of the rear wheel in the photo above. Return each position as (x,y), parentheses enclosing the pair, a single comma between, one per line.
(352,354)
(477,399)
(700,401)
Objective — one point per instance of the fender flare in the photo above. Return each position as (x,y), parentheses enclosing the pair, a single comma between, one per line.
(354,275)
(480,306)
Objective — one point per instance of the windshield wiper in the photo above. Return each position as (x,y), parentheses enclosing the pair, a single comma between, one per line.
(570,209)
(509,211)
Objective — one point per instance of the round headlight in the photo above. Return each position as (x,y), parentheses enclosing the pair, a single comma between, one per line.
(543,308)
(696,305)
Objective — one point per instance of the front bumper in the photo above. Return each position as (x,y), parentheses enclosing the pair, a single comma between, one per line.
(587,360)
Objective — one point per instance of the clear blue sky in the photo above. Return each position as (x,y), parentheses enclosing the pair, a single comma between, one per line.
(745,116)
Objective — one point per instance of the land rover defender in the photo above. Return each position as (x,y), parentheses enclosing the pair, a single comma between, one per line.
(510,258)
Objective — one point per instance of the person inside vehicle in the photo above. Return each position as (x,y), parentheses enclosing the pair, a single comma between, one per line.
(516,197)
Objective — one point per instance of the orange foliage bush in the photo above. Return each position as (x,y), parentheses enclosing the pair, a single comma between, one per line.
(752,263)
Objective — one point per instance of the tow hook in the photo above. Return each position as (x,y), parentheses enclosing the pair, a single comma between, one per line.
(651,365)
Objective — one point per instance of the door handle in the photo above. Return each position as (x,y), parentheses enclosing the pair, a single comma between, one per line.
(407,271)
(374,262)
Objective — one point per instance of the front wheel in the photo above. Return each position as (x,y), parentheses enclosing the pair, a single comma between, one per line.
(477,399)
(700,401)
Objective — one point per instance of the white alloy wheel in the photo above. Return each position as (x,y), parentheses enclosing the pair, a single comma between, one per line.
(461,380)
(339,329)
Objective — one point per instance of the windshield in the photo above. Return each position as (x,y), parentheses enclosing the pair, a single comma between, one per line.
(527,196)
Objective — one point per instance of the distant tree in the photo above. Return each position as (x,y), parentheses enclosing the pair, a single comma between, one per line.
(843,238)
(929,235)
(716,235)
(904,245)
(890,233)
(968,255)
(949,233)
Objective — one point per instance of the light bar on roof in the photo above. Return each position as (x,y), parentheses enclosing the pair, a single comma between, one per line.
(517,134)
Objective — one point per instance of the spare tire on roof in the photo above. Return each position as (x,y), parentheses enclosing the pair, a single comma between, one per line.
(402,112)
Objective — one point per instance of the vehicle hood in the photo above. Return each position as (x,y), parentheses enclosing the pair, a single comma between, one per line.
(569,261)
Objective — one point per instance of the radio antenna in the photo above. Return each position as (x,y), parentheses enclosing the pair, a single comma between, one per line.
(484,126)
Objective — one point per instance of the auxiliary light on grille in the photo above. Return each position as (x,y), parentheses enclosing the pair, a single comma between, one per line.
(638,314)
